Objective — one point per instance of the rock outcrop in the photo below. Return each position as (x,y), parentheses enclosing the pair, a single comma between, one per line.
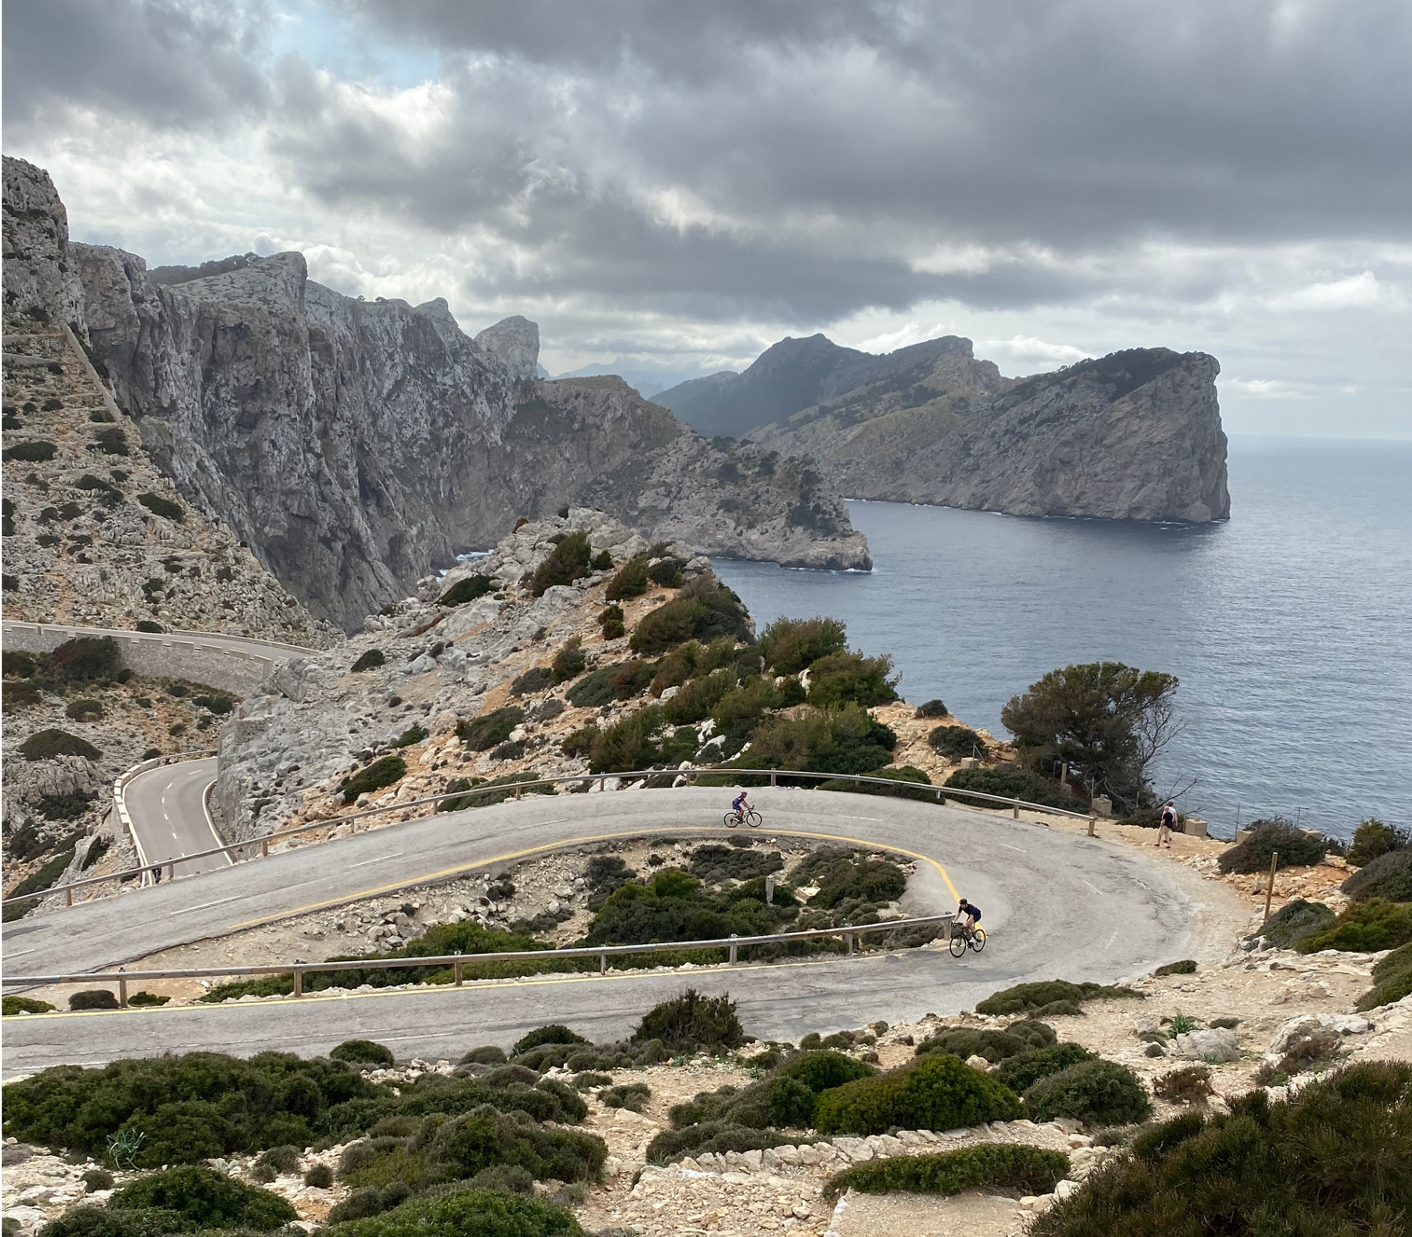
(1131,436)
(357,445)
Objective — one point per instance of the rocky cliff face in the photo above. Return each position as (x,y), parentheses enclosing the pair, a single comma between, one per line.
(1132,436)
(356,446)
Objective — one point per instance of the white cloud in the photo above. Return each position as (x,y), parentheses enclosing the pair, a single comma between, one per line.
(1268,388)
(1362,291)
(1027,350)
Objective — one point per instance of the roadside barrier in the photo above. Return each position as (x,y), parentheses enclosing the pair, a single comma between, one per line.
(458,962)
(238,851)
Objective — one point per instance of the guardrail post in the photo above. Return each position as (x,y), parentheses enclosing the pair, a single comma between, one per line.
(68,896)
(774,779)
(734,949)
(459,965)
(603,964)
(600,783)
(1092,822)
(122,993)
(848,942)
(298,981)
(171,871)
(1015,811)
(265,847)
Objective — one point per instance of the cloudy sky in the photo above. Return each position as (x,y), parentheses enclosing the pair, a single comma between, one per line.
(667,188)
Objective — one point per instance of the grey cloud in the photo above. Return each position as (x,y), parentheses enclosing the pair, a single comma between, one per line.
(178,63)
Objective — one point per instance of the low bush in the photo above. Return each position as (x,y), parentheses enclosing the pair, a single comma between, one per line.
(217,704)
(465,1213)
(1295,920)
(163,507)
(533,680)
(994,1046)
(846,677)
(1187,966)
(934,1093)
(1187,1084)
(83,710)
(365,1203)
(487,1054)
(1364,927)
(692,1019)
(822,1070)
(1330,1160)
(46,744)
(716,1136)
(36,451)
(568,561)
(569,662)
(1095,1092)
(93,998)
(23,1005)
(1392,980)
(37,882)
(954,742)
(485,1138)
(714,863)
(147,1000)
(603,686)
(791,645)
(1388,876)
(630,580)
(85,659)
(703,610)
(554,1033)
(413,735)
(319,1176)
(466,589)
(368,661)
(931,708)
(610,622)
(208,1197)
(279,1160)
(1295,847)
(97,1179)
(1037,997)
(362,1052)
(997,1166)
(1373,839)
(382,772)
(1023,1070)
(903,775)
(489,729)
(631,1095)
(1009,784)
(580,742)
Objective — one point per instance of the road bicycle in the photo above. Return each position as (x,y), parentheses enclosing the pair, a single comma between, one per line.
(961,938)
(750,817)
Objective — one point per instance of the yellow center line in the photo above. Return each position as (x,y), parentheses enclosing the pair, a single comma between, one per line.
(597,837)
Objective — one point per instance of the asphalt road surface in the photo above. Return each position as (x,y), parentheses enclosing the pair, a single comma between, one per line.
(168,811)
(1056,906)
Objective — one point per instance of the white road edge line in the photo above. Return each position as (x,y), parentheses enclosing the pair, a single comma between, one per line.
(380,859)
(186,910)
(211,824)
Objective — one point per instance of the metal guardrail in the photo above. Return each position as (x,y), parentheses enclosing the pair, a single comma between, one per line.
(206,641)
(262,843)
(458,962)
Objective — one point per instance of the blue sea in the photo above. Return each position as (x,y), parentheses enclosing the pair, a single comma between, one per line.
(1289,627)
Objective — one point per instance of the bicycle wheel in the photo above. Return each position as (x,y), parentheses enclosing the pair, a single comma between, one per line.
(730,820)
(978,939)
(958,943)
(752,818)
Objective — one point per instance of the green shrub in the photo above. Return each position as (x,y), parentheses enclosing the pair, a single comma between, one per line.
(554,1033)
(97,1179)
(93,998)
(1295,847)
(490,729)
(569,662)
(19,664)
(163,507)
(956,741)
(1187,1084)
(382,772)
(630,580)
(363,1052)
(23,1005)
(791,645)
(217,704)
(994,1046)
(1005,1166)
(1330,1160)
(845,677)
(21,695)
(567,562)
(149,1000)
(692,1019)
(631,1095)
(1009,783)
(1037,997)
(533,680)
(283,1159)
(485,1138)
(1364,927)
(871,880)
(413,735)
(36,451)
(714,863)
(823,1070)
(703,610)
(933,1093)
(365,1203)
(1392,980)
(1187,966)
(83,710)
(466,589)
(200,1194)
(1388,876)
(931,708)
(610,622)
(86,658)
(601,687)
(1373,839)
(320,1176)
(37,882)
(846,740)
(716,1136)
(1094,1092)
(631,743)
(580,742)
(465,1213)
(1296,919)
(1023,1070)
(368,661)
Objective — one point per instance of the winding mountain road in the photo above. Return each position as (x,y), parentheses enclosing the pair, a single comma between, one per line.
(167,806)
(1055,905)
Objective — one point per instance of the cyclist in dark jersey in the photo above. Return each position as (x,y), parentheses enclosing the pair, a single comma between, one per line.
(972,912)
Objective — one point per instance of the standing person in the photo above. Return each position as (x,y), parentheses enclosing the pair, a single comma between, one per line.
(1166,824)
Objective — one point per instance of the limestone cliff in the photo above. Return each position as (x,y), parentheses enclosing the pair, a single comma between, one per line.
(1132,436)
(356,446)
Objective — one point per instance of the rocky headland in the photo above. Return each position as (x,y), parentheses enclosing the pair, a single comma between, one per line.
(357,445)
(1131,436)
